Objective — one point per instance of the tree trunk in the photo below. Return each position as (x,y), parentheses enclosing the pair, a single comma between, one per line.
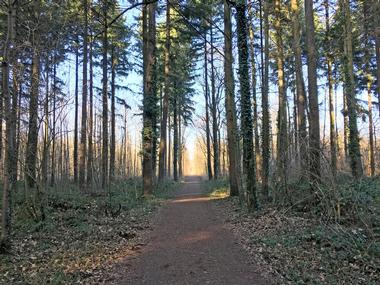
(376,14)
(232,131)
(175,136)
(282,134)
(314,147)
(254,95)
(53,164)
(113,116)
(45,152)
(214,110)
(149,98)
(165,105)
(105,100)
(31,147)
(300,86)
(75,155)
(246,106)
(90,157)
(329,57)
(9,184)
(353,144)
(83,135)
(265,102)
(208,143)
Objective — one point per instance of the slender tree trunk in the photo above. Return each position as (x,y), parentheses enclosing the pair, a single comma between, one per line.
(169,149)
(232,130)
(333,148)
(175,137)
(254,95)
(180,146)
(53,160)
(353,144)
(315,152)
(282,135)
(75,155)
(300,85)
(113,116)
(105,100)
(90,157)
(149,99)
(367,67)
(208,143)
(265,101)
(31,147)
(246,106)
(45,152)
(165,105)
(9,185)
(214,110)
(83,135)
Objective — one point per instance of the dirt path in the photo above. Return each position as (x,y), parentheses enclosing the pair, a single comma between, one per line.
(189,245)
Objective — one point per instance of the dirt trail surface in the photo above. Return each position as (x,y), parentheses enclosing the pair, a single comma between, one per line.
(190,245)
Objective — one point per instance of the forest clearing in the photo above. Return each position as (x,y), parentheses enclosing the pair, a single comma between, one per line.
(190,142)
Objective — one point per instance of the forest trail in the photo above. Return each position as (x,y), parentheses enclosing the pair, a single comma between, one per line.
(190,245)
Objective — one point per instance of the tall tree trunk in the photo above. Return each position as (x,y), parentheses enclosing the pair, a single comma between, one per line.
(214,110)
(113,116)
(9,184)
(31,147)
(208,143)
(368,76)
(353,144)
(315,152)
(83,135)
(53,138)
(180,146)
(254,95)
(105,100)
(265,100)
(246,106)
(165,105)
(329,57)
(90,157)
(175,136)
(75,155)
(300,85)
(149,98)
(45,152)
(232,130)
(282,135)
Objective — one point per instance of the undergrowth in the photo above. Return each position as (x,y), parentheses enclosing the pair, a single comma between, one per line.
(81,233)
(326,235)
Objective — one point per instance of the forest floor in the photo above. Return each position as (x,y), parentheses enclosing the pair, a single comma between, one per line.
(82,236)
(304,247)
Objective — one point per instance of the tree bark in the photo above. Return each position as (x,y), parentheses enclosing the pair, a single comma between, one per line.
(149,99)
(353,143)
(314,147)
(105,100)
(214,110)
(265,102)
(75,155)
(300,86)
(246,106)
(9,184)
(282,133)
(90,156)
(83,134)
(208,143)
(165,105)
(113,116)
(31,147)
(232,131)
